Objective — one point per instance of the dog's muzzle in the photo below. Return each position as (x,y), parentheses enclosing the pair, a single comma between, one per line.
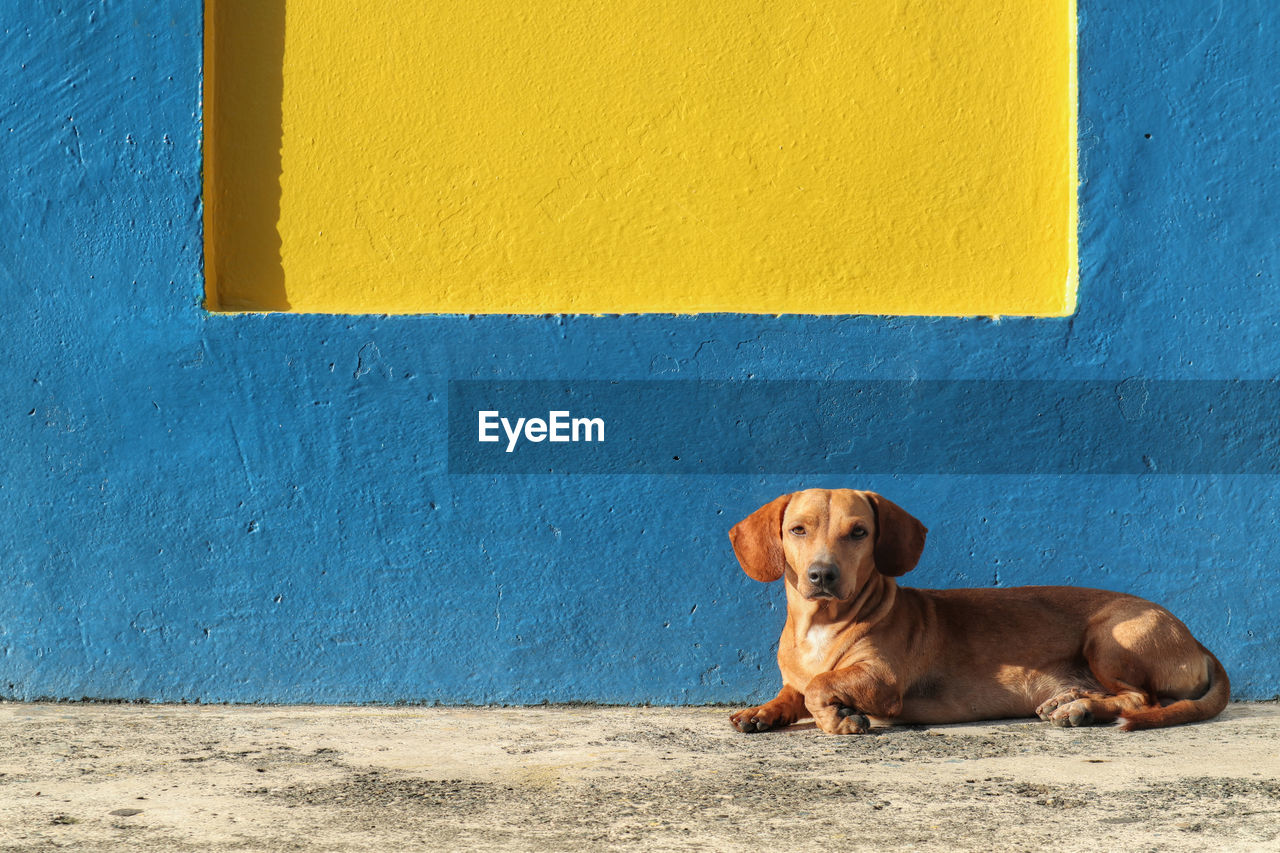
(823,576)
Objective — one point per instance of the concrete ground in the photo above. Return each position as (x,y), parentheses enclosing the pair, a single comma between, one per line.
(173,778)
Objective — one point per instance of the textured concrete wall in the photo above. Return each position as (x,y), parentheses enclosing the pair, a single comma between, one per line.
(261,508)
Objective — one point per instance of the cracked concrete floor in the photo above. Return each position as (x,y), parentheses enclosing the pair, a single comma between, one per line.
(212,778)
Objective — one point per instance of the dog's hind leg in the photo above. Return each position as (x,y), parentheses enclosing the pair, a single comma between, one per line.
(1080,712)
(1139,654)
(1083,708)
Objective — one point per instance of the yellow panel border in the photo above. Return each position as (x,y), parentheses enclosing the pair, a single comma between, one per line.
(1073,124)
(208,163)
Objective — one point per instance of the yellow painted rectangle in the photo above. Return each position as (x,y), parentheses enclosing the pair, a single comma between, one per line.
(619,156)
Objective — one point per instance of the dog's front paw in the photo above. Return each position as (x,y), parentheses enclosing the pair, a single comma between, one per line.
(759,719)
(841,720)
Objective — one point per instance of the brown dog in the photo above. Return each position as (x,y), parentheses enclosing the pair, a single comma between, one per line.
(856,645)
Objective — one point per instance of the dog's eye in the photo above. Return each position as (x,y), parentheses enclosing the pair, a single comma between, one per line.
(858,533)
(797,530)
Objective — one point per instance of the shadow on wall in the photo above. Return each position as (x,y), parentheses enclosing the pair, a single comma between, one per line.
(243,127)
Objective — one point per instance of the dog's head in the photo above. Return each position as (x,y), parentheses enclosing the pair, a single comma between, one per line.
(827,542)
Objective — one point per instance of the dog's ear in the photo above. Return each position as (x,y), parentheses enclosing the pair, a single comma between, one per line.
(757,541)
(899,537)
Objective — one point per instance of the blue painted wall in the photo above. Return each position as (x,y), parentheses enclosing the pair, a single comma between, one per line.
(260,508)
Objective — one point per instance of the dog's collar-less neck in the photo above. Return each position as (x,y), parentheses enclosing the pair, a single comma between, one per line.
(872,603)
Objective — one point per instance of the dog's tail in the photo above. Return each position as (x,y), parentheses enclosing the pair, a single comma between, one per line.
(1185,710)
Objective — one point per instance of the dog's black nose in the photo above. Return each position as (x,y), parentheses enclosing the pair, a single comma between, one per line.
(823,574)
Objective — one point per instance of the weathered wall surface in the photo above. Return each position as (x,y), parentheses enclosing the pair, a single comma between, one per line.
(261,508)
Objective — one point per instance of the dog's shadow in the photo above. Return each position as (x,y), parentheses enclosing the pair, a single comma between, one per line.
(811,726)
